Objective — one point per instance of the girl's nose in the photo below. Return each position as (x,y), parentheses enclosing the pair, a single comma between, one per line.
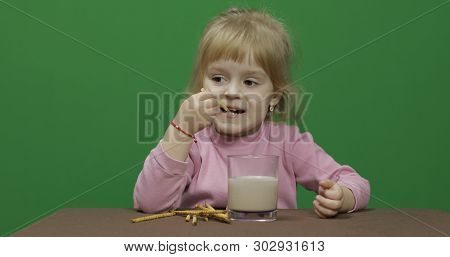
(233,91)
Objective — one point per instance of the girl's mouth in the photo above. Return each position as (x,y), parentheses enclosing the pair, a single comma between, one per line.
(232,112)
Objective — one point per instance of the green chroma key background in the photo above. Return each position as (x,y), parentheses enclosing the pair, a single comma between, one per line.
(69,113)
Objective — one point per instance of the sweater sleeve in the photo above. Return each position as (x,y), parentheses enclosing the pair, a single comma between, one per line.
(162,180)
(311,164)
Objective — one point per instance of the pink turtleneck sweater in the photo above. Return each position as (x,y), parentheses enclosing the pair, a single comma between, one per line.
(165,183)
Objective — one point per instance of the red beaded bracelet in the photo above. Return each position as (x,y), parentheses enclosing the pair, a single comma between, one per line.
(184,132)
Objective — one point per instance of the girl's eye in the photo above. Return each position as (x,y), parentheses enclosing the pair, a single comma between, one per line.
(250,82)
(218,78)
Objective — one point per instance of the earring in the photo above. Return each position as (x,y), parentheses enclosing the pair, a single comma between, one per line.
(271,108)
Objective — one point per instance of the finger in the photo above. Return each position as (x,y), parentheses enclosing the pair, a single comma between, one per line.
(209,113)
(334,194)
(207,95)
(223,104)
(210,103)
(329,203)
(325,211)
(321,191)
(327,183)
(331,194)
(319,214)
(213,111)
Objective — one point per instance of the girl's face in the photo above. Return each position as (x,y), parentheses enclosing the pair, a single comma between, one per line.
(246,90)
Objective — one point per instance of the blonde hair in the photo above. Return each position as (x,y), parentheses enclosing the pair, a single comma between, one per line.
(235,33)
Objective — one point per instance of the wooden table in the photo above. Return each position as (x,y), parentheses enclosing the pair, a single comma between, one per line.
(301,222)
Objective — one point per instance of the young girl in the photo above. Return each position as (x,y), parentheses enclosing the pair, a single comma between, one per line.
(240,81)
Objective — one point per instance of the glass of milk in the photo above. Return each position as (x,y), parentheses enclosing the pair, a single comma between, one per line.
(252,187)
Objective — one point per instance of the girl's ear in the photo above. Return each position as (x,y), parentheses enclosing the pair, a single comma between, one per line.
(276,97)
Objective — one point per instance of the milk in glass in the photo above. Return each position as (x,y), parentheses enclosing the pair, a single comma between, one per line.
(252,193)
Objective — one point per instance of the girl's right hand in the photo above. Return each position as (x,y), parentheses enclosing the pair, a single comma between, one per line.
(197,112)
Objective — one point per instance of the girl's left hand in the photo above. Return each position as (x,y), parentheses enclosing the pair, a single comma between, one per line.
(329,200)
